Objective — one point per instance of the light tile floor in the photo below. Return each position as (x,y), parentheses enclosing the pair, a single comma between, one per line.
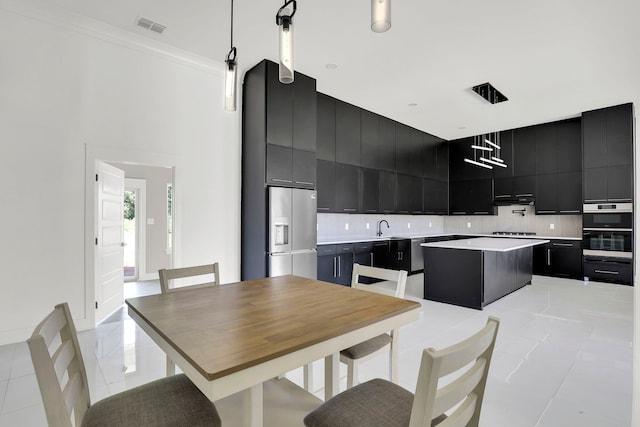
(563,356)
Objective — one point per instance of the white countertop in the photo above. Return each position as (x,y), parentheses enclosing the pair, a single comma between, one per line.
(334,240)
(494,244)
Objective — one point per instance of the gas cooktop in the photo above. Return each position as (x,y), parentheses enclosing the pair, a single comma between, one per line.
(514,233)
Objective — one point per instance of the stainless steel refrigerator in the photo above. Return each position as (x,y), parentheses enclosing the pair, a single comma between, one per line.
(292,232)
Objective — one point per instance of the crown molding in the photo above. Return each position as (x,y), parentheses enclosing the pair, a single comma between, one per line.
(102,31)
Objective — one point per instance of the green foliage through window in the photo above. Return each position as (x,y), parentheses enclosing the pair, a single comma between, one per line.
(129,205)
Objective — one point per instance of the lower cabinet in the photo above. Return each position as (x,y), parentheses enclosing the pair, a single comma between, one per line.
(609,270)
(399,257)
(558,258)
(335,263)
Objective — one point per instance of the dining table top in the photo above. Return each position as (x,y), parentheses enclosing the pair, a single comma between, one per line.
(221,330)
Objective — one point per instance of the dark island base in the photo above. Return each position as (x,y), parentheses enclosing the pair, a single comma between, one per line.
(473,279)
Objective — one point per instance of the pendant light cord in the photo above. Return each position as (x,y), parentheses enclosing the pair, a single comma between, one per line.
(231,47)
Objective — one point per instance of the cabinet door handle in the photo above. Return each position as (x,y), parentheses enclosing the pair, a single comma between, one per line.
(502,195)
(481,212)
(549,257)
(525,194)
(563,244)
(370,210)
(339,265)
(323,209)
(546,211)
(349,210)
(371,258)
(607,272)
(569,211)
(335,270)
(618,200)
(304,182)
(459,213)
(281,180)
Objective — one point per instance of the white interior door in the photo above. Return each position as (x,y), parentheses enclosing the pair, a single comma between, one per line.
(110,241)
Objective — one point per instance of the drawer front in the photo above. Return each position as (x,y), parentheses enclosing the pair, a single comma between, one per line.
(324,250)
(608,271)
(344,248)
(362,247)
(576,244)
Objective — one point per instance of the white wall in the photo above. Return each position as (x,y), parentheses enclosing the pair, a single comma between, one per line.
(67,82)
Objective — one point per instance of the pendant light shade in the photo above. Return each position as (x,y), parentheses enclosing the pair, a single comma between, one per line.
(380,15)
(230,73)
(230,78)
(284,19)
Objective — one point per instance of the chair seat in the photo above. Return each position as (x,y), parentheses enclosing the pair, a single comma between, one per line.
(375,403)
(171,401)
(366,348)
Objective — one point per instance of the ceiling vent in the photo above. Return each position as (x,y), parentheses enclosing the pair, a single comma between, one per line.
(490,93)
(150,25)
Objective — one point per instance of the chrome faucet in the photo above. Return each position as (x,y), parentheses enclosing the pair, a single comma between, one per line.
(380,228)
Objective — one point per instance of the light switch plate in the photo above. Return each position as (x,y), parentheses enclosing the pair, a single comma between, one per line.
(151,221)
(468,225)
(552,226)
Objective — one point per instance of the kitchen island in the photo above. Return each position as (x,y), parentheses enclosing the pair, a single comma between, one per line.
(476,272)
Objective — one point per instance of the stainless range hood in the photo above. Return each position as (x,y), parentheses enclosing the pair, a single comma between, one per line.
(518,199)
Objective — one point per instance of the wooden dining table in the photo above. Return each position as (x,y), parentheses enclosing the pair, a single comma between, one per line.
(234,337)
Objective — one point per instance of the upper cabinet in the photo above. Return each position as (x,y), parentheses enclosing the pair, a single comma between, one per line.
(524,151)
(459,170)
(326,128)
(387,151)
(607,144)
(347,133)
(369,139)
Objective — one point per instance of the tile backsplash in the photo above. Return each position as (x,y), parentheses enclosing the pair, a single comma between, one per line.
(509,218)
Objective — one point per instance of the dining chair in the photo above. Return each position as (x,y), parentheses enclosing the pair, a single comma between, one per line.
(381,403)
(62,380)
(358,353)
(169,274)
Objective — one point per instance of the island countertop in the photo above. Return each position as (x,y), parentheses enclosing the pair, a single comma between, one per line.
(486,244)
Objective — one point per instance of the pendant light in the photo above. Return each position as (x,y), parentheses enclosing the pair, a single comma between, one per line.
(380,15)
(230,74)
(284,19)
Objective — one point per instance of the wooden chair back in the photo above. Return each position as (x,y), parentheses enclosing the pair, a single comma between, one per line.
(59,368)
(397,277)
(169,274)
(473,354)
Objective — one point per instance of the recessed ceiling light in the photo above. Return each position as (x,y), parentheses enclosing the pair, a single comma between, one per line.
(413,104)
(462,127)
(331,66)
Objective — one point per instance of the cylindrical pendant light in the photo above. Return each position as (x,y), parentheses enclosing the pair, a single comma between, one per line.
(230,72)
(284,19)
(230,77)
(380,15)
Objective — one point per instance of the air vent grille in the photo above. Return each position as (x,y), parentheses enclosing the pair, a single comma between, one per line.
(490,93)
(151,25)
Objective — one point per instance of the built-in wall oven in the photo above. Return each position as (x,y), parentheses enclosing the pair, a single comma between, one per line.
(607,242)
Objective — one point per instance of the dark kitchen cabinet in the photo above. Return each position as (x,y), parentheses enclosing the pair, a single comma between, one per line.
(569,146)
(370,190)
(613,183)
(409,194)
(326,175)
(404,136)
(435,199)
(347,133)
(607,144)
(399,257)
(279,169)
(347,188)
(559,193)
(546,149)
(387,151)
(335,263)
(416,144)
(471,197)
(369,139)
(518,186)
(524,151)
(435,158)
(290,110)
(288,167)
(503,188)
(570,193)
(558,258)
(326,128)
(506,154)
(443,161)
(613,270)
(387,192)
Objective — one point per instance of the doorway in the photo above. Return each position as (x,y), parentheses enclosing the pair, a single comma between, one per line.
(135,240)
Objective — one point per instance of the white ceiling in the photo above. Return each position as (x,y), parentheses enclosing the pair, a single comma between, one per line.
(552,58)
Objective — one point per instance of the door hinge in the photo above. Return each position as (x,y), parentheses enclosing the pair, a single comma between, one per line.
(96,305)
(96,241)
(96,177)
